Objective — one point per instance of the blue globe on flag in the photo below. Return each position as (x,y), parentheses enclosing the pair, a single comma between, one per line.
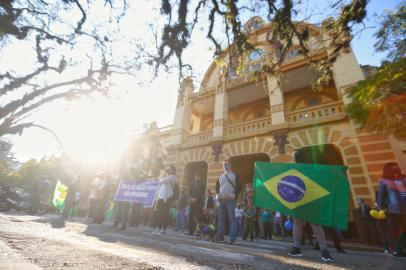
(291,188)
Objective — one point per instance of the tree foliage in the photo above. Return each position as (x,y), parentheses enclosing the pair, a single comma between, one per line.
(32,171)
(145,156)
(392,34)
(73,44)
(378,104)
(227,17)
(4,172)
(69,55)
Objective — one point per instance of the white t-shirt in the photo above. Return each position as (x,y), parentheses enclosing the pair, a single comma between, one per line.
(239,212)
(165,187)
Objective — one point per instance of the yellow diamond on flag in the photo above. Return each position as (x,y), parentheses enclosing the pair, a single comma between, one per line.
(294,189)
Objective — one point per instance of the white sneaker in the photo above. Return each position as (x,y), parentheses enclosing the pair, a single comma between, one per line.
(156,232)
(162,232)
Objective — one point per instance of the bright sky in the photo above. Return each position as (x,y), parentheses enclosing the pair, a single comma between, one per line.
(97,130)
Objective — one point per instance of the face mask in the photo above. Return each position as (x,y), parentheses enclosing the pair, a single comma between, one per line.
(226,166)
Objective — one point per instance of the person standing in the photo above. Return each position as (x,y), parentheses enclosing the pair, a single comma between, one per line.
(228,186)
(320,237)
(181,205)
(334,236)
(91,215)
(196,195)
(40,191)
(103,189)
(75,206)
(392,198)
(122,215)
(249,221)
(70,199)
(122,206)
(317,229)
(208,207)
(136,214)
(278,224)
(164,198)
(365,221)
(266,223)
(239,216)
(248,198)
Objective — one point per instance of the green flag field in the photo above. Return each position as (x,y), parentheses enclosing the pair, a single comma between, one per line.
(315,193)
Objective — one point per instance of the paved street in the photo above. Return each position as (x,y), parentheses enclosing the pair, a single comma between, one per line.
(30,242)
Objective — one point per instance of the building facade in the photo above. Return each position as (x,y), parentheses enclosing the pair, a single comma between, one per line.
(247,118)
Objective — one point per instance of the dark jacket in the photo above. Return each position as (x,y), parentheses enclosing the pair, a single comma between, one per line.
(197,190)
(72,189)
(363,212)
(392,195)
(182,201)
(208,202)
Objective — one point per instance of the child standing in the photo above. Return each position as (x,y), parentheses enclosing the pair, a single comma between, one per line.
(249,221)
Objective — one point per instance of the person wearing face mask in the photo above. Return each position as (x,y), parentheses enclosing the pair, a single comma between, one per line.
(228,186)
(392,199)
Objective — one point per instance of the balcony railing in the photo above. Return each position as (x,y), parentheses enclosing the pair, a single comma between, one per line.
(252,126)
(320,111)
(199,137)
(165,129)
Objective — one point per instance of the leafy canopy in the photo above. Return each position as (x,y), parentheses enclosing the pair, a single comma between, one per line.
(378,104)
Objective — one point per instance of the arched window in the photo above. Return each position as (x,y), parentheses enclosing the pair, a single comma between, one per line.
(256,54)
(313,101)
(292,54)
(254,24)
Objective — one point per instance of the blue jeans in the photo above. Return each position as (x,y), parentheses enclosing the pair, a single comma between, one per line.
(240,229)
(181,219)
(227,208)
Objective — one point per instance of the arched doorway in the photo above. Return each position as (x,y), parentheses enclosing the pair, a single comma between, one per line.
(193,168)
(327,154)
(244,166)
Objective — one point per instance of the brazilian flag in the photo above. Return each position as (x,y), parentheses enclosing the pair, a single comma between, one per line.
(60,192)
(315,193)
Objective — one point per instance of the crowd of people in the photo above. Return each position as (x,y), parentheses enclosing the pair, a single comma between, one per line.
(228,210)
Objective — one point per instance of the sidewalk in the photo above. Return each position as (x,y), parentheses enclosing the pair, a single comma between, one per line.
(261,243)
(345,245)
(11,260)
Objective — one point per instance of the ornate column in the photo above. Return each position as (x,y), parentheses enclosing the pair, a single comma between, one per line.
(183,112)
(220,110)
(280,140)
(346,72)
(275,94)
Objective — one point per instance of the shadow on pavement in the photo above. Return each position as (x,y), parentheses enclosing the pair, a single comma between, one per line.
(56,223)
(216,255)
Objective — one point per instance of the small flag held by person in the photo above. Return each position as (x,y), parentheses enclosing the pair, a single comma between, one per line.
(315,193)
(60,192)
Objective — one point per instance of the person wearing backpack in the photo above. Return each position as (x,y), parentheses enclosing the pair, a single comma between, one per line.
(196,195)
(228,187)
(166,194)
